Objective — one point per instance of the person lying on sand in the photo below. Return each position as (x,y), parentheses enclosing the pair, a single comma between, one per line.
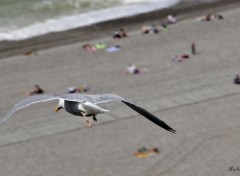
(145,152)
(150,29)
(36,90)
(133,70)
(179,58)
(89,48)
(80,89)
(210,17)
(145,29)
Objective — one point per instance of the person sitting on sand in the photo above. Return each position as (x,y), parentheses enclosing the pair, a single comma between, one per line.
(116,35)
(120,34)
(220,17)
(171,19)
(36,90)
(123,33)
(237,79)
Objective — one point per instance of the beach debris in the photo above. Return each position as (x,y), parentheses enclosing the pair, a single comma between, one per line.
(144,152)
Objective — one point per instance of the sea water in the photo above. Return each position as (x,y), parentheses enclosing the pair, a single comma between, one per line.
(22,19)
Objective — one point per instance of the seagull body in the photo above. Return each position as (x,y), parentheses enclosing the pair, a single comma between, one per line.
(88,108)
(84,105)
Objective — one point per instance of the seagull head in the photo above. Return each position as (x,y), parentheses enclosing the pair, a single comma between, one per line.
(60,105)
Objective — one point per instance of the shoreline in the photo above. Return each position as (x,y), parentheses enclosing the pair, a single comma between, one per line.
(183,10)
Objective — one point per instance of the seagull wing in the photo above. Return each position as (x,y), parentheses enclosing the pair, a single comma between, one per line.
(103,98)
(149,116)
(77,97)
(96,99)
(26,102)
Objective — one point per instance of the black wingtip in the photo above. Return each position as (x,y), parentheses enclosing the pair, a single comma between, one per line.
(172,130)
(149,116)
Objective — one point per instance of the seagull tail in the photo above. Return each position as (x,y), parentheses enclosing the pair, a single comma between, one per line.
(149,116)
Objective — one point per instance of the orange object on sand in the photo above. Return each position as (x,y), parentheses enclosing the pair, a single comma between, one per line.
(144,153)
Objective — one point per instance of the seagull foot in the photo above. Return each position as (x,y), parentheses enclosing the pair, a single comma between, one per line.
(90,124)
(94,118)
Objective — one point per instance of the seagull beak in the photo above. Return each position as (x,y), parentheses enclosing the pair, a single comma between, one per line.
(57,109)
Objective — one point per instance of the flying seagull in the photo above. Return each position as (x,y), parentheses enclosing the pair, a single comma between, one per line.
(84,105)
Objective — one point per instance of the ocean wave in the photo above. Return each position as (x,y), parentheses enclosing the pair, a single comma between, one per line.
(143,1)
(57,15)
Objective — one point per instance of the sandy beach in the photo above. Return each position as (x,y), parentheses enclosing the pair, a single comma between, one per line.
(196,97)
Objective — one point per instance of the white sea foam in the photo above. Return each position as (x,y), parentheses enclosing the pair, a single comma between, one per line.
(142,1)
(129,7)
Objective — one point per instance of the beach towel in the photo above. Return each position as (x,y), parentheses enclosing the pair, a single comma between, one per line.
(113,49)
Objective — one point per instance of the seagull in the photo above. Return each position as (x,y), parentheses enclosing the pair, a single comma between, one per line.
(84,105)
